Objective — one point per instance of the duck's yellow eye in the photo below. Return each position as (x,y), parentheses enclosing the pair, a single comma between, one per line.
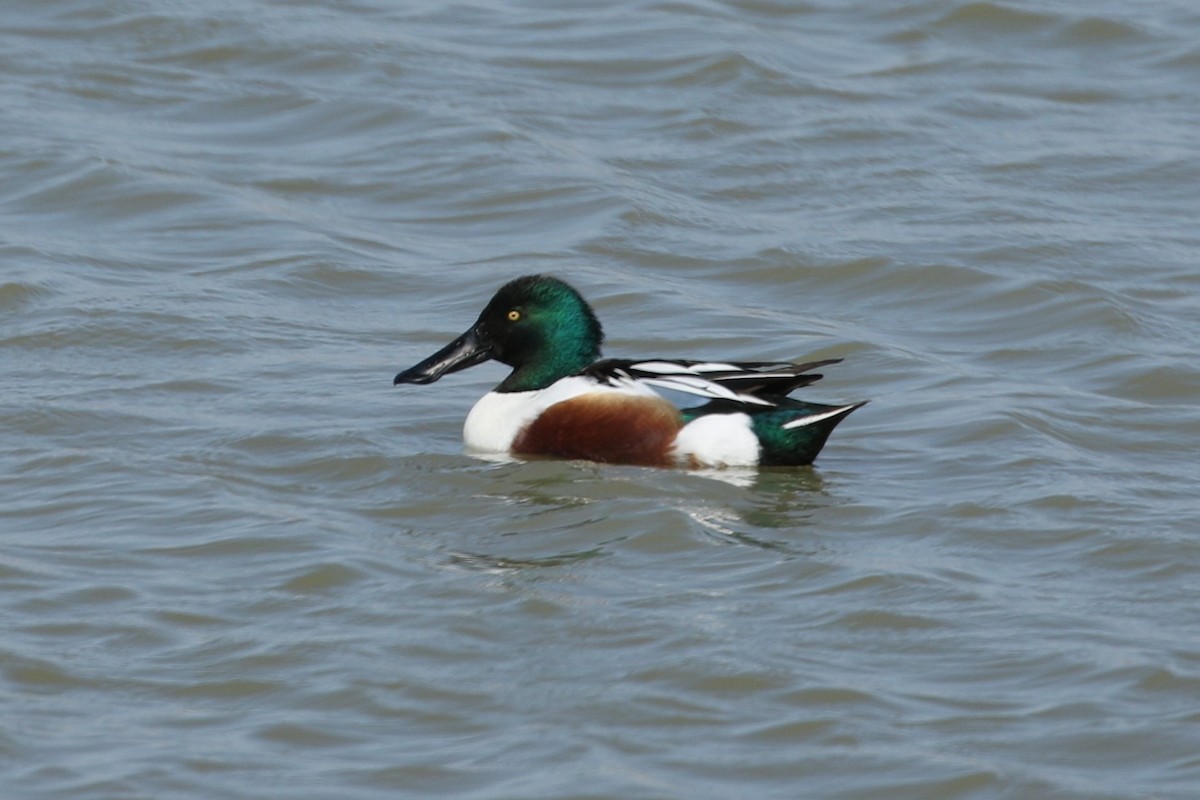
(514,315)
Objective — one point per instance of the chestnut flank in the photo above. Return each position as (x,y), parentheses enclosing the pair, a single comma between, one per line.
(601,426)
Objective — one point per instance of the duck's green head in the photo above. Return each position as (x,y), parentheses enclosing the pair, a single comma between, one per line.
(538,325)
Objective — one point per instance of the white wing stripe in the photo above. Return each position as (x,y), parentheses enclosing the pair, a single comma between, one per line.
(675,368)
(713,379)
(703,388)
(713,366)
(814,418)
(659,367)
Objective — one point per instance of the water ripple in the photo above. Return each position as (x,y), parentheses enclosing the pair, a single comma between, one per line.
(232,551)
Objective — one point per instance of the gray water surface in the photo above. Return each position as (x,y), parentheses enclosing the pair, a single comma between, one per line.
(235,562)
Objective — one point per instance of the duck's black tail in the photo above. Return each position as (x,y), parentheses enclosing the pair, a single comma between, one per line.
(793,434)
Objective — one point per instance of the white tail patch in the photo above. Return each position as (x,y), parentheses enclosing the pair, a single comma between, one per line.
(814,418)
(718,440)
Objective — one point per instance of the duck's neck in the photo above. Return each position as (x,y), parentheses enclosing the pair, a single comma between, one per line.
(552,366)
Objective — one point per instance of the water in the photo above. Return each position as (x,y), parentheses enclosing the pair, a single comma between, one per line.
(236,563)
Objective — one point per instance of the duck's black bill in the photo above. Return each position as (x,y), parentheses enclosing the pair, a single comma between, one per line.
(465,351)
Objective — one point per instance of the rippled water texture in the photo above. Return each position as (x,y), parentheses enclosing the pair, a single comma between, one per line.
(235,562)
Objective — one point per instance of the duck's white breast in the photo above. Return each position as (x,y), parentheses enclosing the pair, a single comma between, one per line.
(497,418)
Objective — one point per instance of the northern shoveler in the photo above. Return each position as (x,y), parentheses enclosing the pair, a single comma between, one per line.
(561,401)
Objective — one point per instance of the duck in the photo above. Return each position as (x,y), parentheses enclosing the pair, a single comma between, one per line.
(562,400)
